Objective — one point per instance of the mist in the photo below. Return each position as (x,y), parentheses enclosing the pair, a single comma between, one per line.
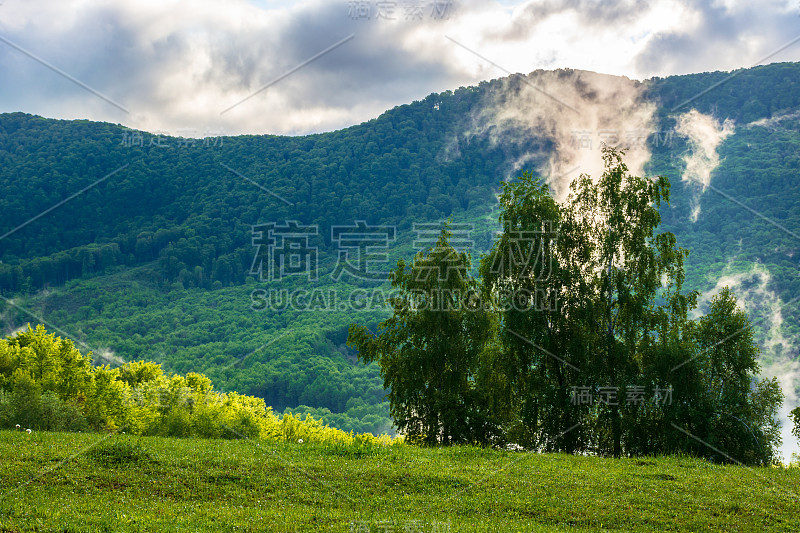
(704,135)
(575,112)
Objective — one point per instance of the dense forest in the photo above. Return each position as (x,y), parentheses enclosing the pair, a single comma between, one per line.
(141,246)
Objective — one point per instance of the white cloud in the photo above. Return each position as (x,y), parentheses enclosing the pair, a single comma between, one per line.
(704,137)
(175,64)
(578,112)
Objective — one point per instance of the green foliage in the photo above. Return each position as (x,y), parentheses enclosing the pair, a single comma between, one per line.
(758,169)
(429,349)
(137,398)
(739,411)
(60,415)
(528,384)
(736,97)
(617,267)
(177,205)
(620,329)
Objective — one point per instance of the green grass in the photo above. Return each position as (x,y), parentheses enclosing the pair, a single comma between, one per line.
(90,482)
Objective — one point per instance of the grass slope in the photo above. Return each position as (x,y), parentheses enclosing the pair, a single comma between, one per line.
(90,482)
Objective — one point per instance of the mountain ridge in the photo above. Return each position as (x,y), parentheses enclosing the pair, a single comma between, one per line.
(154,261)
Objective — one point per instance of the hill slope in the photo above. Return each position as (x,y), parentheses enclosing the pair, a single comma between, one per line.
(141,246)
(123,483)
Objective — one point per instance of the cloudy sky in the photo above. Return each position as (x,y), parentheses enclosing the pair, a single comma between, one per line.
(199,67)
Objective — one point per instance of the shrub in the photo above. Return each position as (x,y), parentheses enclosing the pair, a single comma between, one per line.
(6,410)
(26,400)
(58,415)
(70,395)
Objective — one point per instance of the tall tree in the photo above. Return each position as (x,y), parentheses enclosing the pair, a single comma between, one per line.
(740,410)
(620,335)
(429,349)
(622,262)
(526,281)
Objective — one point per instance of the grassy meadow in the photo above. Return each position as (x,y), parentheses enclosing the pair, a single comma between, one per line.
(70,482)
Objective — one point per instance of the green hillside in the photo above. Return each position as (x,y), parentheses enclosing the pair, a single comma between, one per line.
(85,482)
(154,258)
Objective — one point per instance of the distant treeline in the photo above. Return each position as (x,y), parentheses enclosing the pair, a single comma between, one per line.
(178,202)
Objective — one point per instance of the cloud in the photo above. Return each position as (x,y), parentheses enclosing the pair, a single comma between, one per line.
(180,64)
(176,64)
(723,35)
(574,113)
(587,13)
(704,136)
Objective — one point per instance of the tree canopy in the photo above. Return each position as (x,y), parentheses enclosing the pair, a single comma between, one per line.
(580,338)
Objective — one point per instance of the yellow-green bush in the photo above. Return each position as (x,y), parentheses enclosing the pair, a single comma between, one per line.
(47,382)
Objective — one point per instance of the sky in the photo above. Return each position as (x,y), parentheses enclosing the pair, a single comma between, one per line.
(198,67)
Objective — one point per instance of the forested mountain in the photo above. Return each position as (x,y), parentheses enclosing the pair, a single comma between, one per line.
(145,246)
